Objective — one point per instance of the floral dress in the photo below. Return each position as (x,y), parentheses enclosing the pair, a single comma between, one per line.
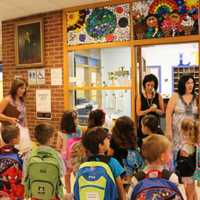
(21,109)
(181,111)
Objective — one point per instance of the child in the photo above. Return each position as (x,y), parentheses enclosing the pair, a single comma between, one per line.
(96,142)
(43,165)
(96,118)
(151,125)
(72,134)
(186,156)
(124,146)
(156,150)
(11,163)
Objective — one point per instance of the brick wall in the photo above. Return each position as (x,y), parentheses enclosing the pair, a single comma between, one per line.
(53,57)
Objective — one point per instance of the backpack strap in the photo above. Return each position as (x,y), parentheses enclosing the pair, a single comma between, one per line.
(153,174)
(8,149)
(101,158)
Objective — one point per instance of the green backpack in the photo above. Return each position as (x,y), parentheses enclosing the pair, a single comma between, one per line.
(42,178)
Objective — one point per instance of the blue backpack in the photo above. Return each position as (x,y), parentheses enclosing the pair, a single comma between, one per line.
(158,187)
(95,181)
(133,162)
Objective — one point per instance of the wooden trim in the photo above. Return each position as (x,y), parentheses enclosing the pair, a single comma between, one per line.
(98,45)
(159,41)
(99,88)
(133,83)
(96,5)
(170,40)
(131,21)
(199,78)
(65,65)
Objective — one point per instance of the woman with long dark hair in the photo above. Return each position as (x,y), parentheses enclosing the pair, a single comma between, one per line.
(183,104)
(12,107)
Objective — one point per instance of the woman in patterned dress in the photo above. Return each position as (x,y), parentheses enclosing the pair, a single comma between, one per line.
(183,104)
(15,99)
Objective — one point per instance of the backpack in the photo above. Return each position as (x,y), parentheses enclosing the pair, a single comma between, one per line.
(132,162)
(196,175)
(71,140)
(11,173)
(77,156)
(42,178)
(95,181)
(186,165)
(158,188)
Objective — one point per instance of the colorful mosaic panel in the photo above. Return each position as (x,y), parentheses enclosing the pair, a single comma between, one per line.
(165,18)
(98,25)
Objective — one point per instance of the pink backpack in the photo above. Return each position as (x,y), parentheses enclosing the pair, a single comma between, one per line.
(70,143)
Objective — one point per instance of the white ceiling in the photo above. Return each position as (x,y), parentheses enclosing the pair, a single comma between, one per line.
(11,9)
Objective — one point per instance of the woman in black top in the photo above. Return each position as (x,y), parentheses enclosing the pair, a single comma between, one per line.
(149,102)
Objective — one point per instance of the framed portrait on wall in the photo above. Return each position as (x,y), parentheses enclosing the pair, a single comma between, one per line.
(29,43)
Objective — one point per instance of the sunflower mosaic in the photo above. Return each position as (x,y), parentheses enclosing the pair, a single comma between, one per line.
(165,18)
(107,24)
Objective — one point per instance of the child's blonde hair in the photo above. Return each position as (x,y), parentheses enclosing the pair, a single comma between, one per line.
(191,128)
(154,146)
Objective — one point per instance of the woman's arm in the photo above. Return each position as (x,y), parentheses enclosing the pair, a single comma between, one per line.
(169,112)
(140,112)
(4,117)
(160,111)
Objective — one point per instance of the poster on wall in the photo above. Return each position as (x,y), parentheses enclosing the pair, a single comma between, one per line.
(36,76)
(43,104)
(32,80)
(56,76)
(40,74)
(165,18)
(107,24)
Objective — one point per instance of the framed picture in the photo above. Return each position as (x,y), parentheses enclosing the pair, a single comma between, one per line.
(29,43)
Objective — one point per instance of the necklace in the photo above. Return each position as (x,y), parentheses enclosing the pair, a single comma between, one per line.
(149,100)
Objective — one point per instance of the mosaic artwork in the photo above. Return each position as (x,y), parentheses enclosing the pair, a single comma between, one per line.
(98,25)
(164,18)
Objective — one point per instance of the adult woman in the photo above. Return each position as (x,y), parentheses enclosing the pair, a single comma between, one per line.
(182,104)
(149,102)
(12,108)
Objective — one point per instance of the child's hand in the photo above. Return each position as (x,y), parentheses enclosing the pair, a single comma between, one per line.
(184,153)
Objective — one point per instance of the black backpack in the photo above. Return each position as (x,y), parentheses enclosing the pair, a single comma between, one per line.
(186,165)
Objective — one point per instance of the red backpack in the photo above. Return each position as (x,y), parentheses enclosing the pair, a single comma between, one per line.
(11,173)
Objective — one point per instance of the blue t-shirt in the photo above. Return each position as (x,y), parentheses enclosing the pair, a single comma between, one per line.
(115,167)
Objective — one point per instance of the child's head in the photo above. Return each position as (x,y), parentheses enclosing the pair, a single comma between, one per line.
(96,118)
(96,141)
(10,134)
(69,122)
(156,149)
(123,132)
(190,130)
(150,124)
(43,133)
